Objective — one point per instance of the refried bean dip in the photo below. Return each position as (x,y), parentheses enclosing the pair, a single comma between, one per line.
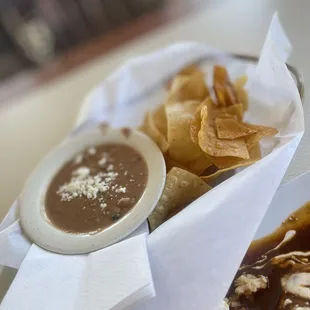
(96,188)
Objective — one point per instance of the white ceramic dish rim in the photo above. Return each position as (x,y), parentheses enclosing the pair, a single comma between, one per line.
(33,218)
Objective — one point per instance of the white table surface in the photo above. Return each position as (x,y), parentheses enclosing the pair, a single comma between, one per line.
(33,124)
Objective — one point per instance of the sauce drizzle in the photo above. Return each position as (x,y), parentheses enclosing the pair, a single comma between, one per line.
(283,260)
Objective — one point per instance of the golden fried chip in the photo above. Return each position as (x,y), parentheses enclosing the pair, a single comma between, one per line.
(170,163)
(241,81)
(219,91)
(233,111)
(233,162)
(149,128)
(229,128)
(223,88)
(231,94)
(188,70)
(262,131)
(225,164)
(160,119)
(196,166)
(213,146)
(242,97)
(188,87)
(210,177)
(181,189)
(241,93)
(179,116)
(181,147)
(196,123)
(220,75)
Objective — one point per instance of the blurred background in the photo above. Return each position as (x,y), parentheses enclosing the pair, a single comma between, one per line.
(35,32)
(53,52)
(41,39)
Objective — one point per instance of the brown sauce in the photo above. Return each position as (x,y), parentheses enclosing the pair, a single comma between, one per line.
(96,188)
(262,259)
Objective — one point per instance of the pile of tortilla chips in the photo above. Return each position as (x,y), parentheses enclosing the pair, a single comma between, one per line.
(201,132)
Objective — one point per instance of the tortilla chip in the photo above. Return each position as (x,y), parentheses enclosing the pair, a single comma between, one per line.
(214,110)
(241,81)
(219,91)
(149,128)
(210,177)
(160,119)
(241,93)
(188,87)
(196,166)
(220,75)
(189,70)
(179,116)
(186,71)
(233,162)
(223,88)
(233,111)
(262,131)
(228,128)
(181,189)
(170,163)
(196,123)
(213,146)
(224,164)
(242,97)
(231,94)
(220,171)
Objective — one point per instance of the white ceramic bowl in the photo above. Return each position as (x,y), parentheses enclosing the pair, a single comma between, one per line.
(32,209)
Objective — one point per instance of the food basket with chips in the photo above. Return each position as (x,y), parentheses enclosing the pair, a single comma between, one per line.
(206,241)
(228,127)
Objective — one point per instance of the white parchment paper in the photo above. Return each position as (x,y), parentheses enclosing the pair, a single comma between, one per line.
(195,255)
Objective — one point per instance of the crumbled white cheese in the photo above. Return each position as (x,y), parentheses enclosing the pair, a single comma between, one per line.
(81,172)
(91,151)
(126,172)
(103,205)
(247,284)
(102,161)
(110,167)
(287,302)
(82,184)
(121,189)
(78,159)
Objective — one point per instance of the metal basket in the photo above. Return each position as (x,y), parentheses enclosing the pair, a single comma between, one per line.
(297,76)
